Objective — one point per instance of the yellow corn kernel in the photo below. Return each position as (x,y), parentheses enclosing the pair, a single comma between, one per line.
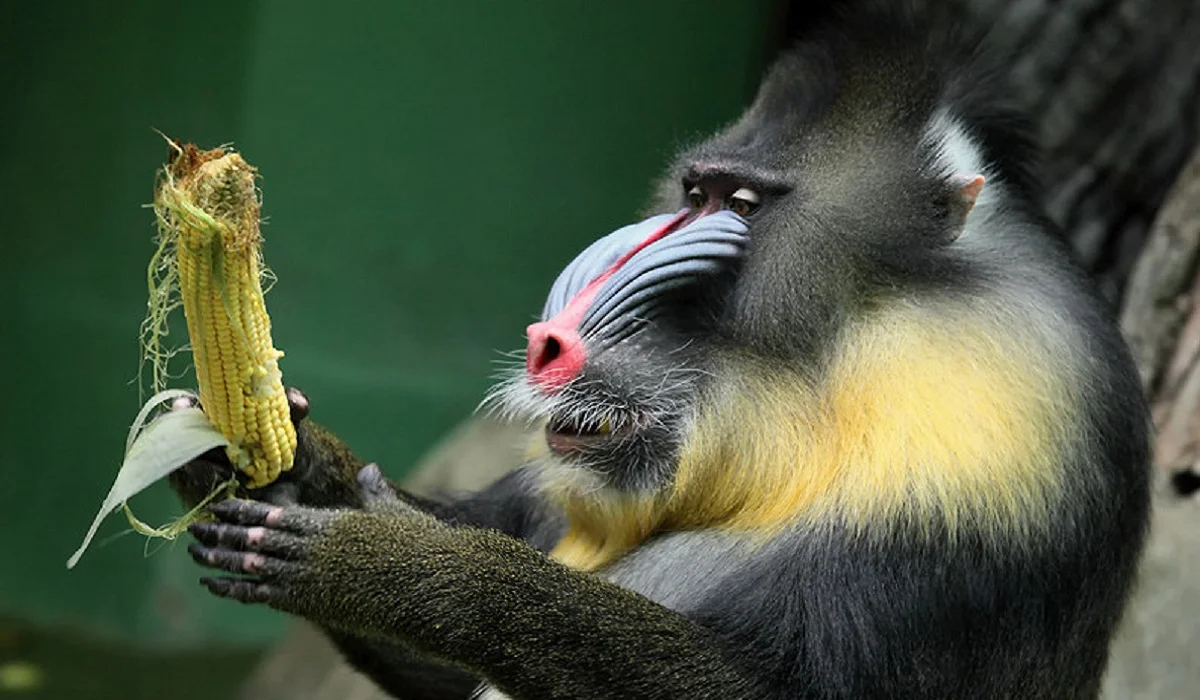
(209,201)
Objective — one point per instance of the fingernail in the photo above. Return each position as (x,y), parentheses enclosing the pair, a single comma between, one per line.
(297,404)
(368,476)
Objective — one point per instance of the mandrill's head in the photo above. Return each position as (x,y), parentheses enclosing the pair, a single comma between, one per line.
(844,312)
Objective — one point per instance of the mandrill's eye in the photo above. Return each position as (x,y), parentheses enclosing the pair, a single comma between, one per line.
(696,197)
(744,202)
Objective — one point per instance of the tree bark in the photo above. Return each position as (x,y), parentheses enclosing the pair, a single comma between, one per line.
(1161,321)
(1114,89)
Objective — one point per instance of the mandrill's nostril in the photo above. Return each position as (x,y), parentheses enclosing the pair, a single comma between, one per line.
(549,351)
(554,356)
(546,347)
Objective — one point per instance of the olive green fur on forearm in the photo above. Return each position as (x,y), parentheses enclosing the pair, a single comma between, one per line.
(499,608)
(326,469)
(327,472)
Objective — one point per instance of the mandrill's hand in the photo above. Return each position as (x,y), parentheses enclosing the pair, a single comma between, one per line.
(375,571)
(322,474)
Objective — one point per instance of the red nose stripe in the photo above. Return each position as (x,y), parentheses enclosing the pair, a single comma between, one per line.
(555,354)
(667,228)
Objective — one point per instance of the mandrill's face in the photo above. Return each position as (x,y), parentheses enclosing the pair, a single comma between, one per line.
(614,360)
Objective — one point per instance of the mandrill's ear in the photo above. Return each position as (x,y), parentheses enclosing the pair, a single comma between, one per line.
(964,191)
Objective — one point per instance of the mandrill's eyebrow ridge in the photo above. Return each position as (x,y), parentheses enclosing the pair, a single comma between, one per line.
(762,179)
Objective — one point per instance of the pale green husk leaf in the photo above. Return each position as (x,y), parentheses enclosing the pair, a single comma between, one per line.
(153,450)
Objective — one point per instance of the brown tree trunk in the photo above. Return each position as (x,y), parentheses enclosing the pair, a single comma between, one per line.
(1161,320)
(1114,87)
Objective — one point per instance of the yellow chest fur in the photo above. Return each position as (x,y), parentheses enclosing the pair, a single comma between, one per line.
(915,420)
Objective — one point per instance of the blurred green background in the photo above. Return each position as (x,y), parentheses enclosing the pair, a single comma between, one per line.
(427,169)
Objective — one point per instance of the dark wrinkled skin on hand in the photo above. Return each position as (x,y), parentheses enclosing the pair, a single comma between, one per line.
(278,552)
(272,537)
(324,473)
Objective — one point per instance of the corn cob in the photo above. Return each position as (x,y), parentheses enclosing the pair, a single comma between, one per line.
(207,202)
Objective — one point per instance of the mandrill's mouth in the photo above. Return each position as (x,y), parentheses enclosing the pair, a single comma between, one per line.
(569,435)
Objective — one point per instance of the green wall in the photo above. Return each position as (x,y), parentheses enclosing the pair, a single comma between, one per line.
(427,169)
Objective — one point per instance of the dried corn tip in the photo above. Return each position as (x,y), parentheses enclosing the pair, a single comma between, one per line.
(207,202)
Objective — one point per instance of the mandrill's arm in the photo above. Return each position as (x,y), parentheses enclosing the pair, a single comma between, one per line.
(474,597)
